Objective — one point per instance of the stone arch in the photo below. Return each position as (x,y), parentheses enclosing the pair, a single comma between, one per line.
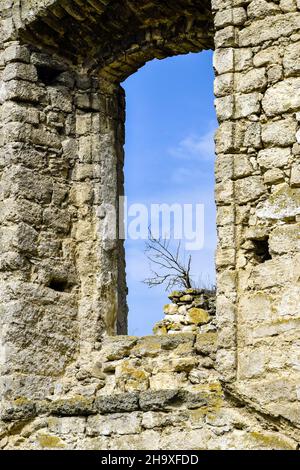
(115,38)
(78,53)
(109,41)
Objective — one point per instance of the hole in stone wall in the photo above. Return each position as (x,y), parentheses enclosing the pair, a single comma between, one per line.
(261,250)
(169,159)
(58,285)
(47,75)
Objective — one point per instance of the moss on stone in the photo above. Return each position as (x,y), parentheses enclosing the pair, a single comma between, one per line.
(207,338)
(160,330)
(21,401)
(50,442)
(186,298)
(78,404)
(148,347)
(198,316)
(176,294)
(134,373)
(272,441)
(174,326)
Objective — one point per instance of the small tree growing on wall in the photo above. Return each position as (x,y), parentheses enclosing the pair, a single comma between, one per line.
(168,266)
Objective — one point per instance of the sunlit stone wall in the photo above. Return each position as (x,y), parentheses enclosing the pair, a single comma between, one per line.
(62,279)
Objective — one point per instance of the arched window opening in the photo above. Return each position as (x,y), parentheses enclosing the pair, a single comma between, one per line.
(169,160)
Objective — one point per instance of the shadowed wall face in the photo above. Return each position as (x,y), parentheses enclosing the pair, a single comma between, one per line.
(62,133)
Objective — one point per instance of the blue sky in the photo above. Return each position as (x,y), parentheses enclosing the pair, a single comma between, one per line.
(169,150)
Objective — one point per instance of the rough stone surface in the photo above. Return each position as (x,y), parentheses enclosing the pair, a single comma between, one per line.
(194,412)
(62,281)
(190,311)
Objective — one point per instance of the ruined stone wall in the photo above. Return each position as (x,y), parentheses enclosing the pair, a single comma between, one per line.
(191,311)
(62,280)
(156,392)
(57,145)
(257,89)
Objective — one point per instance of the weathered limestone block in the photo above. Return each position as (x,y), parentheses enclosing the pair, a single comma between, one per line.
(261,307)
(269,28)
(20,211)
(243,59)
(158,419)
(226,37)
(16,112)
(266,57)
(61,99)
(262,277)
(15,52)
(284,203)
(225,215)
(247,104)
(253,135)
(21,91)
(131,376)
(224,192)
(282,97)
(224,60)
(206,344)
(19,71)
(242,166)
(224,168)
(274,176)
(65,426)
(223,84)
(25,181)
(149,439)
(114,424)
(149,346)
(285,239)
(171,381)
(295,175)
(235,16)
(198,316)
(190,309)
(119,348)
(171,309)
(59,219)
(118,403)
(253,80)
(287,304)
(225,257)
(249,189)
(262,8)
(274,74)
(274,158)
(288,5)
(225,107)
(152,401)
(291,60)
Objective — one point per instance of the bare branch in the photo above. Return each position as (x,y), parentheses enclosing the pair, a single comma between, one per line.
(172,271)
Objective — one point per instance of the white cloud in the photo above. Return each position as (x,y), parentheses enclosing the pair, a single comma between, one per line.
(191,194)
(195,147)
(183,175)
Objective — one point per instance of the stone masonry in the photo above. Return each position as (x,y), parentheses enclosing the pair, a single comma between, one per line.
(191,311)
(116,401)
(67,380)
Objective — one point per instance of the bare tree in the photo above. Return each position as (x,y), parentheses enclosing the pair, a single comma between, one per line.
(167,266)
